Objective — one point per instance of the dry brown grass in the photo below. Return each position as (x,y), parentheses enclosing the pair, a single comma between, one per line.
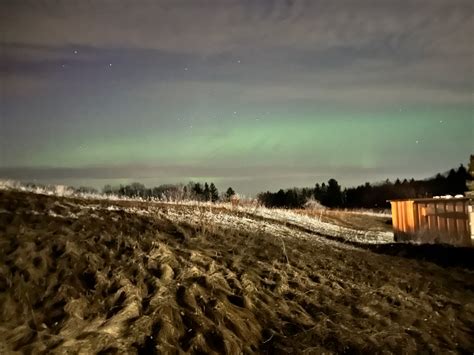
(352,220)
(112,281)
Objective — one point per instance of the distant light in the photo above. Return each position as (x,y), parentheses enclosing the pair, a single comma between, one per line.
(75,52)
(185,68)
(416,142)
(235,113)
(238,61)
(110,64)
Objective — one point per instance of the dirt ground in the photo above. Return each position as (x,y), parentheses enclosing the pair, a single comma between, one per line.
(90,276)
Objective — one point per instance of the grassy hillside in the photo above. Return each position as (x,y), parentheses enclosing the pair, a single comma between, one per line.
(93,276)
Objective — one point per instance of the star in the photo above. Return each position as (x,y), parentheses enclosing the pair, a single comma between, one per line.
(110,64)
(75,52)
(238,61)
(185,69)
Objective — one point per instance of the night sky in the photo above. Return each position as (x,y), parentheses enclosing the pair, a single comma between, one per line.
(255,95)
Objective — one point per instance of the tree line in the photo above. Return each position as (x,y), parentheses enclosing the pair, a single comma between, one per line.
(368,195)
(171,192)
(330,194)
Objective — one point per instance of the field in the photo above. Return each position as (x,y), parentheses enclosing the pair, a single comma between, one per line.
(99,276)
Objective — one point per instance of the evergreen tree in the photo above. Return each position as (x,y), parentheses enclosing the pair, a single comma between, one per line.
(229,193)
(206,192)
(280,198)
(333,195)
(214,193)
(197,190)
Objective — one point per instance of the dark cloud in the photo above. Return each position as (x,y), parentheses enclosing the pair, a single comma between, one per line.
(425,42)
(214,26)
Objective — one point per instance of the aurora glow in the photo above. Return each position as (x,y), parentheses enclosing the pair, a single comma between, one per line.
(255,95)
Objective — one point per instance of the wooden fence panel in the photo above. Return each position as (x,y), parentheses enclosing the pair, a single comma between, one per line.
(434,220)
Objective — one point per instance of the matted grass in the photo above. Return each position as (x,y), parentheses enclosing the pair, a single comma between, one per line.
(95,276)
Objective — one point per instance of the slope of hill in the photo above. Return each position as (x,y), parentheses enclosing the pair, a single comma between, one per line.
(84,275)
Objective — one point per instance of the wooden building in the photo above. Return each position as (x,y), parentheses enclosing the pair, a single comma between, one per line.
(434,220)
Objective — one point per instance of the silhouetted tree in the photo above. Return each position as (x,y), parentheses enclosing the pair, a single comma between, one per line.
(229,193)
(213,192)
(462,177)
(198,191)
(291,198)
(333,194)
(320,192)
(206,192)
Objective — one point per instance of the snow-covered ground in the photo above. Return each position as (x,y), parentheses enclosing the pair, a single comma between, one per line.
(317,226)
(281,223)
